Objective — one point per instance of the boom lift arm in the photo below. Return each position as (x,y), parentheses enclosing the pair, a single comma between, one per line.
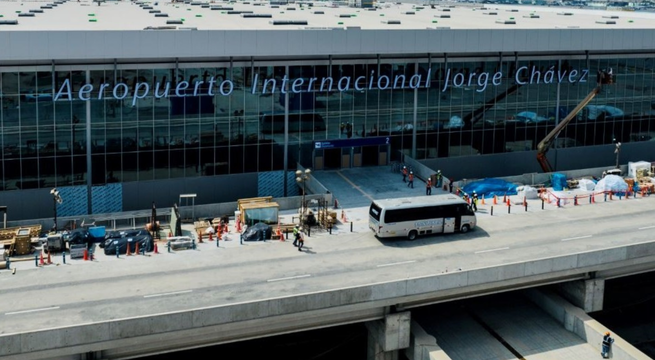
(543,147)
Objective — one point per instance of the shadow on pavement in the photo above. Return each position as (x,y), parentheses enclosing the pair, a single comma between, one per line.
(403,242)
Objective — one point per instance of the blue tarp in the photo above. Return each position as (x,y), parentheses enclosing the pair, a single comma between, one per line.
(558,181)
(491,187)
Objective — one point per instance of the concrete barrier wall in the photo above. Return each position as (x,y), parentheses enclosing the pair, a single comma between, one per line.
(423,346)
(525,162)
(578,322)
(163,214)
(421,289)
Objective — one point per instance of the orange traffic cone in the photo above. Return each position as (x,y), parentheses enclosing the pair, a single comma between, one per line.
(127,252)
(200,237)
(508,204)
(278,232)
(238,225)
(156,249)
(211,237)
(495,200)
(41,263)
(49,259)
(525,201)
(482,202)
(136,250)
(86,255)
(170,234)
(219,234)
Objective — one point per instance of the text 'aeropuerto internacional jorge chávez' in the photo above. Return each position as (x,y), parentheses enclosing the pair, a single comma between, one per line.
(213,86)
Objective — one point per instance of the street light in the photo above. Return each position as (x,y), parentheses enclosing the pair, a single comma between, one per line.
(302,177)
(617,151)
(56,198)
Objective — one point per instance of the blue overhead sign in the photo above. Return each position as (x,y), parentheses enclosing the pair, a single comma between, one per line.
(341,143)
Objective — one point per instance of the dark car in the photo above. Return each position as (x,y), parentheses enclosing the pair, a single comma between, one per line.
(111,245)
(257,232)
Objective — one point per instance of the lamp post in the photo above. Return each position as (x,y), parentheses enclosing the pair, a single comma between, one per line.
(617,151)
(302,177)
(56,199)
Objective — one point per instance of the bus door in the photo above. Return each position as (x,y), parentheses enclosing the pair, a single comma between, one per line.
(449,225)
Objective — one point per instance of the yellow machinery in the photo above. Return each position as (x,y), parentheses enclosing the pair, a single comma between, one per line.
(21,244)
(604,78)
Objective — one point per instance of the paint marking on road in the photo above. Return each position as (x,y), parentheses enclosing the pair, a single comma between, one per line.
(486,251)
(646,227)
(31,311)
(289,278)
(577,237)
(167,294)
(355,186)
(397,263)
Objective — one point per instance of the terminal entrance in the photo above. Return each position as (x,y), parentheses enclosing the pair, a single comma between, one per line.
(350,153)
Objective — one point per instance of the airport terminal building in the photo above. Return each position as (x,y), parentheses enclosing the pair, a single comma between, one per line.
(119,103)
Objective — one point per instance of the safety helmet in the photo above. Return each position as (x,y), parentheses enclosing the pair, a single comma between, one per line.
(297,226)
(473,191)
(607,333)
(438,171)
(411,172)
(404,167)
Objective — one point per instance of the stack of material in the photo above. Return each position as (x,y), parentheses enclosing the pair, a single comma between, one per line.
(327,218)
(201,225)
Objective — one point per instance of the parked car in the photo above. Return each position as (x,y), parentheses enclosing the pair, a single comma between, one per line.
(39,94)
(529,117)
(120,244)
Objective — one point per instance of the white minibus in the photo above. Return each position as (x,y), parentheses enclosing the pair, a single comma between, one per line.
(423,215)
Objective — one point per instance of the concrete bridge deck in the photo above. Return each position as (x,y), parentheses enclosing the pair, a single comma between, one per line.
(216,295)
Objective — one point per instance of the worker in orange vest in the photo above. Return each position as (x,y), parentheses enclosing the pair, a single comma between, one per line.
(404,173)
(411,180)
(428,187)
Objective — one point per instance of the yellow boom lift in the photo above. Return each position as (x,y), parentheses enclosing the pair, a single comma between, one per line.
(604,78)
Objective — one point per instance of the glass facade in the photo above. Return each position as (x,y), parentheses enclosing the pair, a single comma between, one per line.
(165,121)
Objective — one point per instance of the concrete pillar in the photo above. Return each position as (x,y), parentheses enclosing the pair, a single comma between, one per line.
(585,294)
(423,346)
(386,337)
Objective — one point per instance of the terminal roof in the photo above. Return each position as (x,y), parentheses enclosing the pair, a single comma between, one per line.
(71,15)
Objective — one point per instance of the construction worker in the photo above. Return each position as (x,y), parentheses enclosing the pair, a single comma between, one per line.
(411,179)
(607,345)
(428,187)
(301,239)
(474,201)
(450,186)
(296,235)
(404,171)
(439,179)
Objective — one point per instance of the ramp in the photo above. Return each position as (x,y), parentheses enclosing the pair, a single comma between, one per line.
(357,187)
(501,327)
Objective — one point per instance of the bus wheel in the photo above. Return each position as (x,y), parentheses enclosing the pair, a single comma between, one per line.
(412,235)
(465,229)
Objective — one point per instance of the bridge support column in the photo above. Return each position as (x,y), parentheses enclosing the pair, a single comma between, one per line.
(585,294)
(423,346)
(386,337)
(91,355)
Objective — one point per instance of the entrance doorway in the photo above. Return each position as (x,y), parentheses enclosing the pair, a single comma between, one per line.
(332,158)
(371,155)
(347,153)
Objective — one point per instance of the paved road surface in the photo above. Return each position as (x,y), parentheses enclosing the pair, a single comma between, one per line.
(110,288)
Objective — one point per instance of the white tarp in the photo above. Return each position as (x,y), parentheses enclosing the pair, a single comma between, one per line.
(634,166)
(613,183)
(586,184)
(527,191)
